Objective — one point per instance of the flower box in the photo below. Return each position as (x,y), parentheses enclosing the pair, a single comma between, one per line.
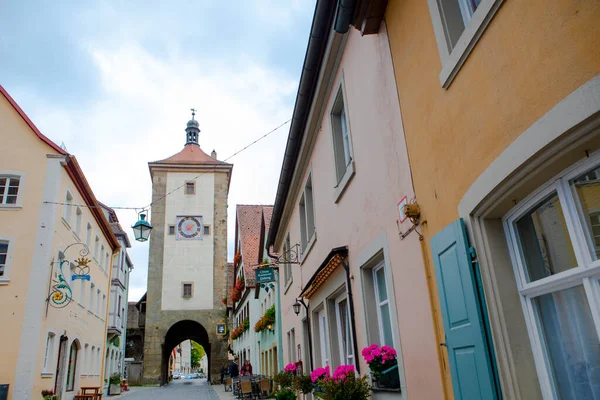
(387,379)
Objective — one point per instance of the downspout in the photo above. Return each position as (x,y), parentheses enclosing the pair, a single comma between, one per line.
(352,319)
(310,348)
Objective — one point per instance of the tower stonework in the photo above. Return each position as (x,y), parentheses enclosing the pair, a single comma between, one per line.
(188,257)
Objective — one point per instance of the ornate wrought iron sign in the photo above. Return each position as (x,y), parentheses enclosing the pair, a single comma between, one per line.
(60,293)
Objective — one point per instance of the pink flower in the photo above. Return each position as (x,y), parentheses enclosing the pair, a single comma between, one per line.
(291,367)
(342,372)
(320,373)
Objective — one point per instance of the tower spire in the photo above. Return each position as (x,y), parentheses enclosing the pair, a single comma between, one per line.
(192,131)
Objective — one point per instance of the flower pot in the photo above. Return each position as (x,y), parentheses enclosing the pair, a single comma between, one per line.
(387,379)
(114,389)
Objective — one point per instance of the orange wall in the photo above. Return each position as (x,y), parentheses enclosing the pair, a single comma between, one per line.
(532,55)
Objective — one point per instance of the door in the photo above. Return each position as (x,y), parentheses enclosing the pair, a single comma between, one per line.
(468,353)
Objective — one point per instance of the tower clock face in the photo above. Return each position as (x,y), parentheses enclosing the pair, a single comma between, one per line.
(189,227)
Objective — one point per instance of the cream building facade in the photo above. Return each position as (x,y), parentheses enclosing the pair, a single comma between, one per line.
(48,215)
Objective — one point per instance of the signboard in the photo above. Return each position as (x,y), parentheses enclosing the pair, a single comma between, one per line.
(221,329)
(401,205)
(264,275)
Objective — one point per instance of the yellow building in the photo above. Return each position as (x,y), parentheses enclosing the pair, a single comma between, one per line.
(500,104)
(54,331)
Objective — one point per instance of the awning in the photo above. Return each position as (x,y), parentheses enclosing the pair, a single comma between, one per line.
(332,261)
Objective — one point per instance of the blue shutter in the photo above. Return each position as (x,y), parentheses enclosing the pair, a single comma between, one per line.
(468,353)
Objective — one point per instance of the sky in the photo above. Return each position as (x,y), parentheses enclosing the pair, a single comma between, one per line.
(115,80)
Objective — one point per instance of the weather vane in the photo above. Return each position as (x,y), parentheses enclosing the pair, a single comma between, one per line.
(193,112)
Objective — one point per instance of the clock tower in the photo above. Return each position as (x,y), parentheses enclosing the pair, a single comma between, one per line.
(188,256)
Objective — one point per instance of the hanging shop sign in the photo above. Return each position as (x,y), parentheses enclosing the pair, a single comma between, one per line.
(60,293)
(265,275)
(221,329)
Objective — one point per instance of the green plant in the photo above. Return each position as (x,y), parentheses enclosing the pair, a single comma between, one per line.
(49,395)
(351,388)
(284,380)
(303,383)
(286,394)
(115,379)
(266,320)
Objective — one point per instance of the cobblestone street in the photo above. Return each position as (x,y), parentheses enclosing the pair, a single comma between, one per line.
(178,389)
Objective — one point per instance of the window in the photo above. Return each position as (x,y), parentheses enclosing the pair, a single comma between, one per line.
(341,136)
(49,353)
(88,235)
(187,290)
(458,25)
(3,257)
(72,367)
(99,259)
(68,208)
(292,345)
(98,292)
(323,340)
(82,291)
(106,262)
(103,305)
(287,269)
(383,306)
(92,361)
(91,302)
(307,216)
(78,221)
(344,332)
(85,359)
(190,188)
(207,229)
(9,189)
(96,247)
(553,242)
(171,229)
(119,307)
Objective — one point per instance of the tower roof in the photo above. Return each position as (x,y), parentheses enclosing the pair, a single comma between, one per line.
(191,155)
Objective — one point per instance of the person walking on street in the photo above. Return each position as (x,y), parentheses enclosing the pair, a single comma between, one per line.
(234,370)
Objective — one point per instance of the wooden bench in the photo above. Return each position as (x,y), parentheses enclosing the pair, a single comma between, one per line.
(89,393)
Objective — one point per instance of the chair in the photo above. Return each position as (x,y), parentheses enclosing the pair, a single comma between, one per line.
(265,387)
(246,388)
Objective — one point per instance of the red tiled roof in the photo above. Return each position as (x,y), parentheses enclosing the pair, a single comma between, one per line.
(191,154)
(267,213)
(248,220)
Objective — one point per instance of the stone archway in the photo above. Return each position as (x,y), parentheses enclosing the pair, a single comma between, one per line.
(177,333)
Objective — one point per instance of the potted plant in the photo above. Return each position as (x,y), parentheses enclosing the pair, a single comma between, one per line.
(285,381)
(115,384)
(49,395)
(383,365)
(343,385)
(303,383)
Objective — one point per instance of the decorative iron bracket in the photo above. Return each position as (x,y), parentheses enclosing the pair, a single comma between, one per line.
(60,293)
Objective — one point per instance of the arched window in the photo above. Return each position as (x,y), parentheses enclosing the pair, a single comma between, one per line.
(72,367)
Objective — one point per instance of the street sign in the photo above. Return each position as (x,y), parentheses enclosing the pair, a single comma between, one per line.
(264,275)
(221,329)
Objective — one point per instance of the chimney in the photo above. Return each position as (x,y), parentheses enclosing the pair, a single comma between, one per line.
(213,154)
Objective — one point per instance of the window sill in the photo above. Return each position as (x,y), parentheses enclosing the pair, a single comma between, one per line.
(4,281)
(10,207)
(308,247)
(340,188)
(46,375)
(452,63)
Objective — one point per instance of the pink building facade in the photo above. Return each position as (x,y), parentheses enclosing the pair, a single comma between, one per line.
(345,171)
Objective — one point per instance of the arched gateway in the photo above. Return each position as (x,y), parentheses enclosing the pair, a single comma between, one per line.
(188,256)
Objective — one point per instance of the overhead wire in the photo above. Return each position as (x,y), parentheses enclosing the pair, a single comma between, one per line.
(149,206)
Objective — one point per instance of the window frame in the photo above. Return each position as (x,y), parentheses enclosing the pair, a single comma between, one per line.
(18,204)
(68,208)
(379,304)
(324,347)
(78,222)
(453,58)
(88,235)
(171,229)
(205,230)
(345,357)
(187,183)
(342,178)
(586,273)
(48,365)
(5,277)
(306,206)
(183,284)
(72,373)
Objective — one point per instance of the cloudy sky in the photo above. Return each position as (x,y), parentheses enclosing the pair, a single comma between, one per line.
(114,81)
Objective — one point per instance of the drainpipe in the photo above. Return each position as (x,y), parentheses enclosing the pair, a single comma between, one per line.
(310,349)
(352,319)
(343,15)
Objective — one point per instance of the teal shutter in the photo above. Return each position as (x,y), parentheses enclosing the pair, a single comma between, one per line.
(468,352)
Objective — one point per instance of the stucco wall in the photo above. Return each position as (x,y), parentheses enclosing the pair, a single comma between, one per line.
(531,56)
(365,218)
(188,260)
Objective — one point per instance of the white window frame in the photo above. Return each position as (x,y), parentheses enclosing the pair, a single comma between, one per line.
(78,221)
(339,108)
(346,355)
(379,304)
(68,209)
(453,58)
(91,299)
(587,272)
(88,235)
(323,338)
(48,364)
(5,278)
(18,203)
(96,248)
(306,210)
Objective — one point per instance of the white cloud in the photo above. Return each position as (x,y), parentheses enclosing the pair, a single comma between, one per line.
(141,115)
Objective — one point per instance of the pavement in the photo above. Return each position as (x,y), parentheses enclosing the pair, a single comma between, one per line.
(196,389)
